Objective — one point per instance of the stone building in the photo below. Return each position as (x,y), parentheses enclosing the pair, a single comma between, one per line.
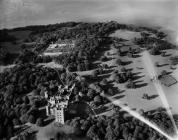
(57,105)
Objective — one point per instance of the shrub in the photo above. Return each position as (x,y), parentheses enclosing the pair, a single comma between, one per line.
(39,122)
(31,119)
(119,61)
(104,58)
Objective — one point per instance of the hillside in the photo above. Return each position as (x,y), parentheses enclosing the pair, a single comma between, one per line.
(110,62)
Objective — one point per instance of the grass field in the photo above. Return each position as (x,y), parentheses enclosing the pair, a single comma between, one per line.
(133,96)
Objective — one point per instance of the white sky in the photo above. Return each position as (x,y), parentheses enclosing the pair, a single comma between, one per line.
(15,13)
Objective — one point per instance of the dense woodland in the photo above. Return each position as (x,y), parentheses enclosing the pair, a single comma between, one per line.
(17,107)
(120,127)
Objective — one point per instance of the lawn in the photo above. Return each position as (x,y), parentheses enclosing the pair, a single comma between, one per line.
(132,97)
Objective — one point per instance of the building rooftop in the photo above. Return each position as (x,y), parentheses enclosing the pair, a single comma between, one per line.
(168,80)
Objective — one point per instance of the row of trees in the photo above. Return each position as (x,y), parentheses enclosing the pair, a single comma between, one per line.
(154,43)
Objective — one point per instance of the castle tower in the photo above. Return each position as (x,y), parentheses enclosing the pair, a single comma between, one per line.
(46,94)
(59,115)
(47,110)
(58,103)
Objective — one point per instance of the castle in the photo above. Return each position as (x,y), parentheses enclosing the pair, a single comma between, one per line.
(58,104)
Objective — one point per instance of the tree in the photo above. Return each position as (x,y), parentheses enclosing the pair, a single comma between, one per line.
(174,60)
(157,64)
(110,133)
(125,133)
(110,92)
(79,67)
(97,99)
(91,132)
(1,131)
(77,131)
(122,77)
(129,75)
(91,93)
(24,118)
(163,53)
(123,69)
(10,89)
(154,51)
(39,122)
(9,131)
(104,82)
(85,125)
(131,84)
(94,73)
(77,98)
(105,66)
(119,52)
(119,61)
(130,54)
(31,119)
(35,92)
(108,53)
(61,136)
(15,121)
(93,104)
(19,100)
(87,66)
(160,35)
(26,100)
(104,58)
(100,70)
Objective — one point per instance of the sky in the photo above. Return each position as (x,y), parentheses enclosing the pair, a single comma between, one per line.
(16,13)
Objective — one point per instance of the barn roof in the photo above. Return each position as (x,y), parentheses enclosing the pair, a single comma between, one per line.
(168,80)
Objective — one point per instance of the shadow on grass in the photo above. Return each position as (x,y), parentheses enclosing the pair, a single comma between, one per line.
(141,85)
(136,73)
(139,68)
(169,72)
(121,91)
(48,121)
(124,63)
(153,96)
(162,65)
(22,129)
(159,109)
(101,77)
(129,69)
(137,77)
(167,55)
(139,81)
(108,59)
(119,97)
(42,113)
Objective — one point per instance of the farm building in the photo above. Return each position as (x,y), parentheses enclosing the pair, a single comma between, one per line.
(167,80)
